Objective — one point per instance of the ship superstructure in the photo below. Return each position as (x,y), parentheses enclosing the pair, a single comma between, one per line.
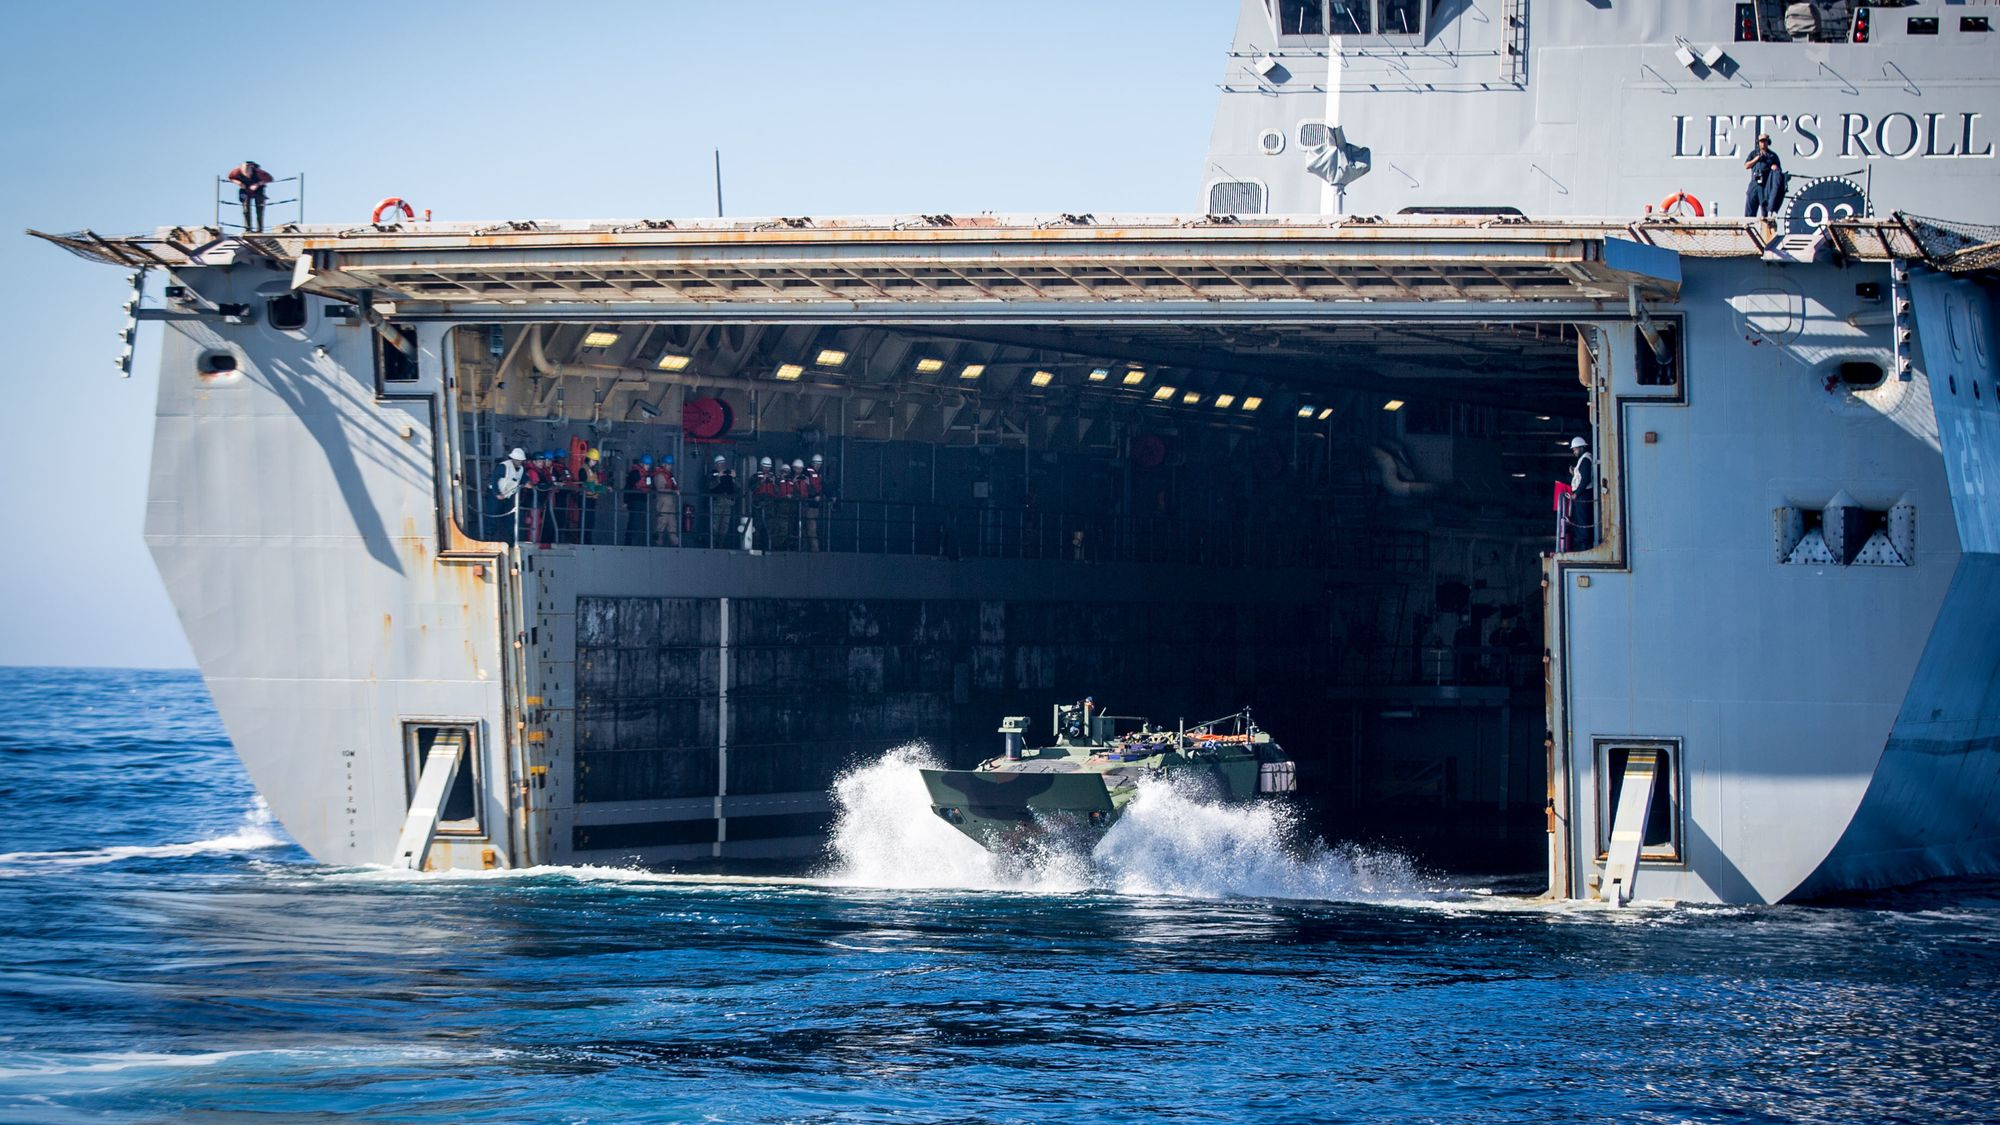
(1299,461)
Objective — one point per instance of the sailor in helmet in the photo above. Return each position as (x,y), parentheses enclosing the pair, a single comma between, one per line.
(1767,180)
(666,504)
(812,495)
(763,493)
(638,485)
(1581,523)
(591,476)
(507,478)
(721,502)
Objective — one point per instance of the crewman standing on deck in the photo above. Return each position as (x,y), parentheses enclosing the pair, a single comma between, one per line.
(666,504)
(785,508)
(591,480)
(721,502)
(1582,497)
(535,483)
(638,482)
(812,495)
(507,479)
(250,181)
(1767,181)
(763,492)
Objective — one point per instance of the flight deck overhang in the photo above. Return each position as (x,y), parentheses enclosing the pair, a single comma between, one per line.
(979,266)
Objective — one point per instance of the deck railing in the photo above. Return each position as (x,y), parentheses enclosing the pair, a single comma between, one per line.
(570,514)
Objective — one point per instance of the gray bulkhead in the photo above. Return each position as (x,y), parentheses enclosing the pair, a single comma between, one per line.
(1773,685)
(293,516)
(1933,806)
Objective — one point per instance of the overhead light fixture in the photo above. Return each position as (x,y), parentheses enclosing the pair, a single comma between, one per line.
(1042,378)
(1324,414)
(1252,402)
(1224,402)
(1099,374)
(1305,411)
(599,339)
(1393,405)
(1541,417)
(972,371)
(1163,393)
(1134,377)
(1518,476)
(1191,398)
(672,362)
(929,366)
(830,357)
(790,372)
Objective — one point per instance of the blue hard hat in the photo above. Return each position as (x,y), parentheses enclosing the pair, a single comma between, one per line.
(646,460)
(667,460)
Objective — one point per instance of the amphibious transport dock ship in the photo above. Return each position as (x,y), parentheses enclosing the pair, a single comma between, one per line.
(1293,450)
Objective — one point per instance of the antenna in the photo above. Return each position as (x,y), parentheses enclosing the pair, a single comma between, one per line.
(718,183)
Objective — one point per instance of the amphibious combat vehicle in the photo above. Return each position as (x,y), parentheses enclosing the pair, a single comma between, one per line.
(1085,781)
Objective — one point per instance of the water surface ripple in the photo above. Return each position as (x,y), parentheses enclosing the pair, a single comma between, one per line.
(172,956)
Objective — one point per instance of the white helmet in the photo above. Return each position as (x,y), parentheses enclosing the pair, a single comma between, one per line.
(1577,443)
(798,464)
(721,460)
(517,454)
(818,460)
(764,464)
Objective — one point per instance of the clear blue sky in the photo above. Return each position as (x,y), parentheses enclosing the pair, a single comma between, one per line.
(117,116)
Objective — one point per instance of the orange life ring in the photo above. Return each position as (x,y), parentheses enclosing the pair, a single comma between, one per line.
(410,212)
(1668,204)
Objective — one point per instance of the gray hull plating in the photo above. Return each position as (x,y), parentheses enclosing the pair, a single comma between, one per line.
(1933,804)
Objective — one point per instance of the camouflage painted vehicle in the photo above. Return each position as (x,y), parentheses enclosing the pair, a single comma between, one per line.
(1085,781)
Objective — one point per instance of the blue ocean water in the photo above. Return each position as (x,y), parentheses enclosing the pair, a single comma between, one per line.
(171,956)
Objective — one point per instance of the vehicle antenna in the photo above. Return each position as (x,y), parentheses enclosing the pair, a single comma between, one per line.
(718,183)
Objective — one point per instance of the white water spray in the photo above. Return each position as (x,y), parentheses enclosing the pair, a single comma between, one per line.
(257,832)
(1170,841)
(885,835)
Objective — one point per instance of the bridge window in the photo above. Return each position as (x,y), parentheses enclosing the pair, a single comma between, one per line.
(1804,21)
(1351,17)
(1402,17)
(1301,17)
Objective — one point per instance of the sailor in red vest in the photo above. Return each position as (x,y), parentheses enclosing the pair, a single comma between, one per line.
(568,508)
(535,482)
(813,496)
(785,510)
(638,488)
(666,504)
(250,181)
